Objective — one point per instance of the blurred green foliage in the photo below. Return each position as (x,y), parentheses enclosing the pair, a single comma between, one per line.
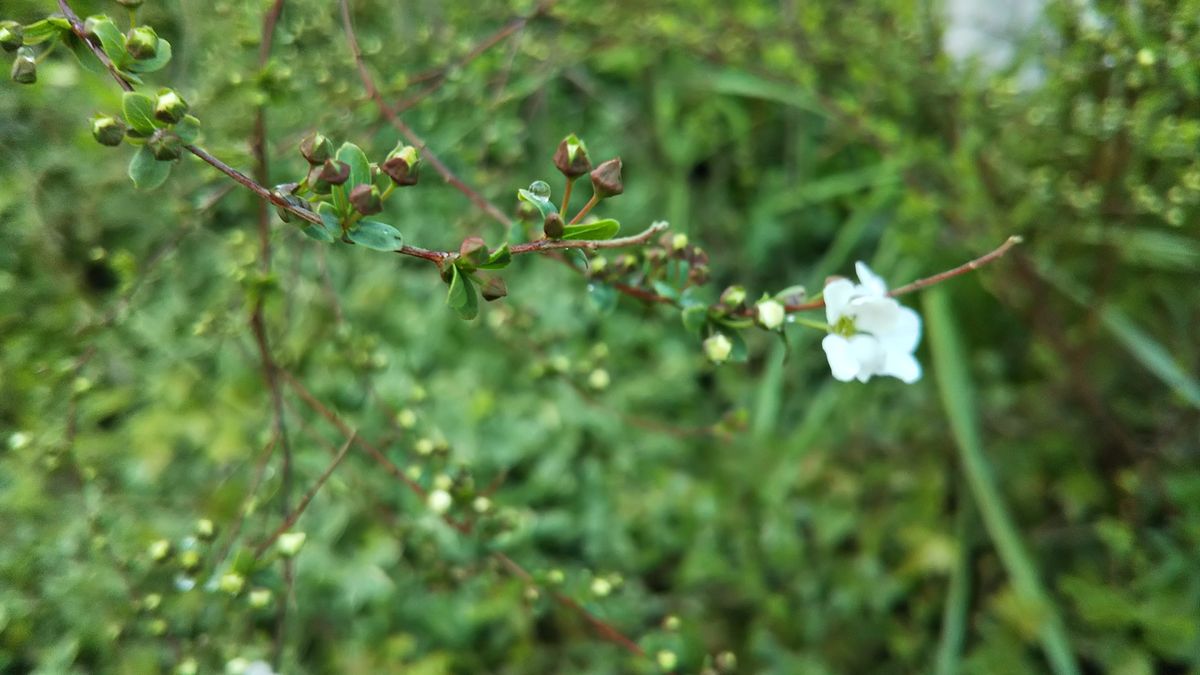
(805,525)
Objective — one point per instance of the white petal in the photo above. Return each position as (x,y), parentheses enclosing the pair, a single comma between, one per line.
(869,354)
(872,283)
(842,363)
(876,316)
(905,332)
(837,294)
(902,365)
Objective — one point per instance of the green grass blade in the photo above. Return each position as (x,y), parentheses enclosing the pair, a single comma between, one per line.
(958,597)
(954,383)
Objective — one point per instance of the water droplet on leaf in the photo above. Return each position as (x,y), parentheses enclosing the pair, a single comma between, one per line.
(540,189)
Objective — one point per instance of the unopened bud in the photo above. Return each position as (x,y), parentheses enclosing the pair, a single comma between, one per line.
(231,583)
(334,172)
(606,179)
(403,165)
(165,146)
(718,348)
(142,43)
(679,242)
(205,529)
(571,158)
(473,251)
(290,543)
(733,296)
(493,288)
(260,597)
(440,501)
(160,550)
(12,35)
(553,226)
(189,560)
(770,314)
(24,69)
(169,107)
(107,130)
(366,199)
(316,148)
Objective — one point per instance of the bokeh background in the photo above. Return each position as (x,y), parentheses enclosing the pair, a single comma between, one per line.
(1031,505)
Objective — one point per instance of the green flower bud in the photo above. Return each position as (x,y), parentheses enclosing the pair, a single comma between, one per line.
(493,288)
(142,43)
(12,35)
(231,583)
(170,107)
(290,543)
(733,296)
(366,199)
(189,560)
(571,158)
(132,4)
(334,172)
(606,179)
(316,148)
(205,529)
(403,165)
(165,145)
(160,550)
(718,348)
(553,226)
(24,69)
(260,598)
(107,130)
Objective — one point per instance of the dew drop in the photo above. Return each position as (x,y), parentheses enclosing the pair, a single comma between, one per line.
(540,189)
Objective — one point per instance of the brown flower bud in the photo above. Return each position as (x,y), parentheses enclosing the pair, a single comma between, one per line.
(366,199)
(571,158)
(335,172)
(493,288)
(316,148)
(474,251)
(606,179)
(403,166)
(553,226)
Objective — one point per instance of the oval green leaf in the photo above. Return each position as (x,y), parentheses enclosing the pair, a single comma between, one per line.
(188,129)
(139,112)
(111,39)
(360,168)
(376,235)
(146,172)
(162,57)
(594,231)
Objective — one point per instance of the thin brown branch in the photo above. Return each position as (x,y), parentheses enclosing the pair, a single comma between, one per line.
(308,497)
(392,116)
(590,245)
(81,33)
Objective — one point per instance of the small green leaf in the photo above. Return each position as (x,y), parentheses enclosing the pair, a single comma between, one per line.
(52,28)
(739,354)
(376,235)
(146,172)
(360,168)
(161,57)
(694,319)
(139,112)
(83,53)
(188,129)
(603,297)
(461,296)
(666,290)
(544,206)
(111,39)
(331,228)
(499,259)
(595,231)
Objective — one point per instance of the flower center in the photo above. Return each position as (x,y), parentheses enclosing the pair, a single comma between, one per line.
(845,326)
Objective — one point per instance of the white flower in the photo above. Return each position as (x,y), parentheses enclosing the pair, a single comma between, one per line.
(872,333)
(718,348)
(770,314)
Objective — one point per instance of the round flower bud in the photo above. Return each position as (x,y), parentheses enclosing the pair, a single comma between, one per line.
(473,251)
(366,199)
(606,179)
(160,550)
(599,379)
(334,172)
(142,43)
(290,543)
(679,241)
(571,157)
(481,505)
(553,226)
(165,145)
(493,288)
(205,529)
(770,314)
(667,660)
(601,587)
(733,296)
(24,68)
(170,107)
(107,130)
(260,597)
(316,148)
(189,560)
(440,501)
(231,583)
(403,165)
(718,348)
(12,35)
